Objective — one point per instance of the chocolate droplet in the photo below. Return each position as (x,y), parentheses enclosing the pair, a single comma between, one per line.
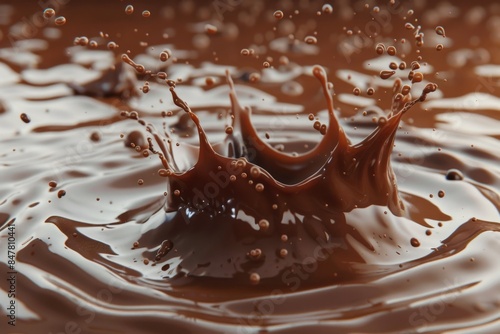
(454,175)
(278,15)
(25,118)
(440,31)
(129,9)
(414,242)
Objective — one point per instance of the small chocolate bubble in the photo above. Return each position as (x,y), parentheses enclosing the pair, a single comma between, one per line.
(95,136)
(278,15)
(439,47)
(292,88)
(386,74)
(164,55)
(259,187)
(410,75)
(310,40)
(210,29)
(254,77)
(255,172)
(112,45)
(391,50)
(264,224)
(83,41)
(454,175)
(241,163)
(417,77)
(49,13)
(370,91)
(429,88)
(129,9)
(161,75)
(356,91)
(61,193)
(25,118)
(255,254)
(59,21)
(409,26)
(254,278)
(382,121)
(393,66)
(440,31)
(414,242)
(415,65)
(146,13)
(133,115)
(380,48)
(165,247)
(327,8)
(209,81)
(165,172)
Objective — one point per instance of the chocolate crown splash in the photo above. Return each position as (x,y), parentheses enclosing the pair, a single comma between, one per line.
(256,210)
(349,175)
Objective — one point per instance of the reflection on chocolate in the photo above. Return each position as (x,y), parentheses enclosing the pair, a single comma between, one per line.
(294,167)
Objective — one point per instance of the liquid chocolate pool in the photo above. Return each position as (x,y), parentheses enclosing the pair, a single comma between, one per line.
(249,167)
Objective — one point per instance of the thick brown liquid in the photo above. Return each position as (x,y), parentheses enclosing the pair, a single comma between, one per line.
(366,216)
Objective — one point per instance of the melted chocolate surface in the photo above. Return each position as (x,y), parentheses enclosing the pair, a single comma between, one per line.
(250,167)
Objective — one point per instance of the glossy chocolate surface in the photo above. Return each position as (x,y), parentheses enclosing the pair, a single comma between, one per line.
(251,167)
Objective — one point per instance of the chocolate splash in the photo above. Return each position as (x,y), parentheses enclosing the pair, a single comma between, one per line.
(217,206)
